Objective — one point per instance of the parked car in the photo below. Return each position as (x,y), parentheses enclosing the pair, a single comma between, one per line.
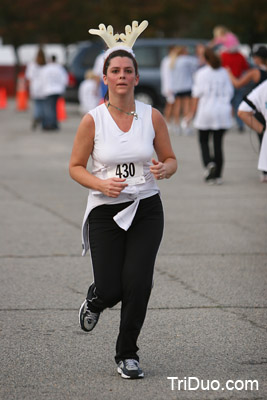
(149,53)
(12,63)
(7,69)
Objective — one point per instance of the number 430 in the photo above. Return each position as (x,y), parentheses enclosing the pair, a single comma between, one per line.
(125,170)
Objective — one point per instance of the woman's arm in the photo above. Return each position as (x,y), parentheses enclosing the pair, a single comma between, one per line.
(166,165)
(251,75)
(82,149)
(251,121)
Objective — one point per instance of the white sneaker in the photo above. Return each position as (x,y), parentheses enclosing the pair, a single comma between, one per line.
(186,127)
(87,318)
(211,182)
(130,369)
(210,171)
(177,129)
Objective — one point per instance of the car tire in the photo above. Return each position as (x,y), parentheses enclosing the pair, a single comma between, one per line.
(145,96)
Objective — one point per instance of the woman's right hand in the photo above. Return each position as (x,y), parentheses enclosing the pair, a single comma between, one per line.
(112,187)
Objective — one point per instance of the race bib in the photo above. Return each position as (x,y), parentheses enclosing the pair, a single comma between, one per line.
(132,172)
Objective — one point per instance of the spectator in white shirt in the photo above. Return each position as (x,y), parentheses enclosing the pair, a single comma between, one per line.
(166,72)
(55,79)
(89,92)
(33,74)
(182,80)
(253,111)
(212,93)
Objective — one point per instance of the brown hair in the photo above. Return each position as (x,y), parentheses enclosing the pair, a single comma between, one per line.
(40,57)
(212,59)
(119,53)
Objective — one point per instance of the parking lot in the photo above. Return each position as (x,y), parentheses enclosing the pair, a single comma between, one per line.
(207,315)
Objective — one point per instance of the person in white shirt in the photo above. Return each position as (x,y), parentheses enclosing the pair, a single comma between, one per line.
(55,80)
(253,111)
(33,74)
(182,80)
(123,222)
(166,71)
(89,92)
(212,93)
(98,71)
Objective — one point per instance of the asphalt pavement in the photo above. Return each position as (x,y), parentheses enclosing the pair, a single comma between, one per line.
(205,332)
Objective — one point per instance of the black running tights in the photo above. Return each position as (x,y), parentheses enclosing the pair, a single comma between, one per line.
(123,265)
(216,155)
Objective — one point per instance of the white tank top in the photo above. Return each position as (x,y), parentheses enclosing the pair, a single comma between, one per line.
(122,154)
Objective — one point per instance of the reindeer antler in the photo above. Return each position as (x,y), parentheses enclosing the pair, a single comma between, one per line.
(132,33)
(106,34)
(128,39)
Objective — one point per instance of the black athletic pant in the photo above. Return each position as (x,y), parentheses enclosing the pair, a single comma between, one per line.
(260,136)
(217,155)
(123,265)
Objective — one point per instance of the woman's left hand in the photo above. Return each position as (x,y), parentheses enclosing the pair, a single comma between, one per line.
(158,169)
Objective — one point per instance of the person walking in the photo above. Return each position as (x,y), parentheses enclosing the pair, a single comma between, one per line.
(252,78)
(250,111)
(212,93)
(98,71)
(55,79)
(123,221)
(234,61)
(89,92)
(227,45)
(255,75)
(223,39)
(33,74)
(166,71)
(182,78)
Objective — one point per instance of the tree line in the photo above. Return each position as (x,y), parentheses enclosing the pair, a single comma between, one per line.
(68,21)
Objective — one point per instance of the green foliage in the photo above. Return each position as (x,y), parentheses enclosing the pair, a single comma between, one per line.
(68,21)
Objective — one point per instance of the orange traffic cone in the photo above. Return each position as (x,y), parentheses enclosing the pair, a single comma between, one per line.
(3,98)
(22,94)
(61,109)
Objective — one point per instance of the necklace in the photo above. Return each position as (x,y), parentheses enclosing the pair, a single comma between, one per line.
(133,113)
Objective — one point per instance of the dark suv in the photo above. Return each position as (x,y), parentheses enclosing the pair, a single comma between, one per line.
(149,53)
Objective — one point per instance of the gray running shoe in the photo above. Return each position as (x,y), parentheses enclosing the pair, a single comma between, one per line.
(210,172)
(130,369)
(87,318)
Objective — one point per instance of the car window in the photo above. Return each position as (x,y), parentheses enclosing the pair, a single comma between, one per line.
(191,50)
(89,56)
(147,57)
(163,51)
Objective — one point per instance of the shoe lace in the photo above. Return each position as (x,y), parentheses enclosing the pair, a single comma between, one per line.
(131,363)
(91,316)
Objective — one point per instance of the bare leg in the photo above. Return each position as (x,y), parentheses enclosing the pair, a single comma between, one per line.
(176,113)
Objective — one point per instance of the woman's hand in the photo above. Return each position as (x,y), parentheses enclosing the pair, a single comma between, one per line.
(158,169)
(112,187)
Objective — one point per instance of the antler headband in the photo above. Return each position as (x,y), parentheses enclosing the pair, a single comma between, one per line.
(127,40)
